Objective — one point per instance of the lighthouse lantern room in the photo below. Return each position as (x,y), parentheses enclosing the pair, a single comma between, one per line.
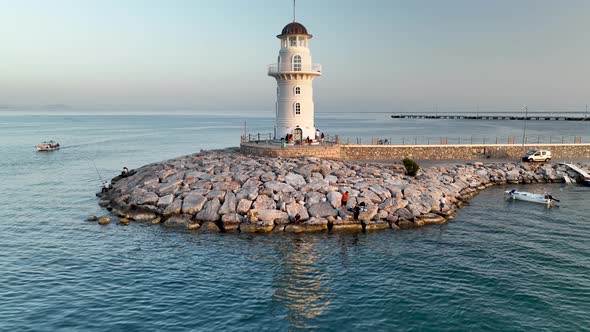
(294,73)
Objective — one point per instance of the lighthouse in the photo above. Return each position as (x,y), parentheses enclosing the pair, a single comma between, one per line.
(294,72)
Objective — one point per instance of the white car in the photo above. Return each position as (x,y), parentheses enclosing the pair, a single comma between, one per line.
(537,155)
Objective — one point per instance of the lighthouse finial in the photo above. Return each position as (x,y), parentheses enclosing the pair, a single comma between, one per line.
(293,10)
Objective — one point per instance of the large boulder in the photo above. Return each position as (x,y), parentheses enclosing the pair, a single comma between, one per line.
(294,180)
(271,215)
(243,206)
(257,227)
(347,225)
(174,208)
(311,225)
(322,209)
(264,202)
(404,213)
(376,225)
(279,186)
(231,221)
(334,198)
(209,227)
(149,198)
(181,221)
(295,208)
(431,219)
(369,214)
(193,203)
(164,201)
(210,211)
(229,205)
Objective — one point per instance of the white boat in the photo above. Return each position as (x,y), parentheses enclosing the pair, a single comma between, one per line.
(47,146)
(530,197)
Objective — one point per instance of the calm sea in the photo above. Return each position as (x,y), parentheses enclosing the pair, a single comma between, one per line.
(503,266)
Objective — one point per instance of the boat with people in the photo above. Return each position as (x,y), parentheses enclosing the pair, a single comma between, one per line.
(47,146)
(546,199)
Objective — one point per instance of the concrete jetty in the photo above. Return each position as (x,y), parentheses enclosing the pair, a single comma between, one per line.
(471,116)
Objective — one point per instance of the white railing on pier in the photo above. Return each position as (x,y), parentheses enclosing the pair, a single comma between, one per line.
(277,68)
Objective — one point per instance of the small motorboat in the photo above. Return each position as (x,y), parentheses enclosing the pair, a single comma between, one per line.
(530,197)
(47,146)
(585,182)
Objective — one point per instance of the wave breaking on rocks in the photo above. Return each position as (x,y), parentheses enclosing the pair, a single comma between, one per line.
(224,190)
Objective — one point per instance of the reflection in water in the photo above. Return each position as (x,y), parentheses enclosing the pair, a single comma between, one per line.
(300,284)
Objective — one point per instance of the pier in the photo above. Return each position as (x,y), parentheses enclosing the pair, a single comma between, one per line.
(543,116)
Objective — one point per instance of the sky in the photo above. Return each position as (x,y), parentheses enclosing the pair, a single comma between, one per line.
(376,55)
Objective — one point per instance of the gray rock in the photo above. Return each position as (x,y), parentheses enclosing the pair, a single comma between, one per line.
(181,221)
(296,208)
(164,201)
(216,194)
(271,215)
(209,227)
(249,193)
(173,208)
(243,206)
(279,186)
(193,203)
(149,198)
(334,198)
(295,180)
(231,221)
(264,202)
(229,205)
(323,209)
(257,227)
(369,214)
(404,213)
(210,211)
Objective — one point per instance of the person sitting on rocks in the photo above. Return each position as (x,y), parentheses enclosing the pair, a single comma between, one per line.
(296,218)
(125,172)
(105,186)
(442,203)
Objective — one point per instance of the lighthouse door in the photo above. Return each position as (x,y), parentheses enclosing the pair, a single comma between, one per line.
(297,134)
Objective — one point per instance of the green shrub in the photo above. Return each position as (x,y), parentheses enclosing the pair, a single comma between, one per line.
(411,166)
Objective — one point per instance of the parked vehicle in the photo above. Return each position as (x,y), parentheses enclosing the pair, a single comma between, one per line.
(537,155)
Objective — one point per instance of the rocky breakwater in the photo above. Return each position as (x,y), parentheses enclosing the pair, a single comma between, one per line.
(225,190)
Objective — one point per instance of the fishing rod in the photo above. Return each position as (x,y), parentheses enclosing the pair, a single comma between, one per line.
(97,172)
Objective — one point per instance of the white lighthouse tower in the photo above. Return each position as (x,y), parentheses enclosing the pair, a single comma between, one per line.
(294,73)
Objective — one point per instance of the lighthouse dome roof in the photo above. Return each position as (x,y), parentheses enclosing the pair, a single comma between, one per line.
(294,28)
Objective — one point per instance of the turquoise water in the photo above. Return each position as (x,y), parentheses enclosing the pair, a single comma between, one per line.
(499,266)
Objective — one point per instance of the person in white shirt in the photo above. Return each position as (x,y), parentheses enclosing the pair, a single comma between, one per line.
(442,202)
(106,185)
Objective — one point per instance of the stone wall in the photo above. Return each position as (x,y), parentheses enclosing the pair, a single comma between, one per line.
(325,152)
(461,152)
(418,152)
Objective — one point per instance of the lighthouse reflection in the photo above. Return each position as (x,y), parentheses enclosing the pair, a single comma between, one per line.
(300,284)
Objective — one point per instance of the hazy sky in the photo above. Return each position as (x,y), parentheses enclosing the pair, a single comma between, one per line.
(377,55)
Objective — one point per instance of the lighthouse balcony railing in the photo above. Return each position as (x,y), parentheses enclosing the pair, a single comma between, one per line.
(277,68)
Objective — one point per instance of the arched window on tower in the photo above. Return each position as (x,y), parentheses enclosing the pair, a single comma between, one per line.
(297,90)
(297,63)
(297,108)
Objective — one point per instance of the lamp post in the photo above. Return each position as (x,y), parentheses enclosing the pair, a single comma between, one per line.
(526,112)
